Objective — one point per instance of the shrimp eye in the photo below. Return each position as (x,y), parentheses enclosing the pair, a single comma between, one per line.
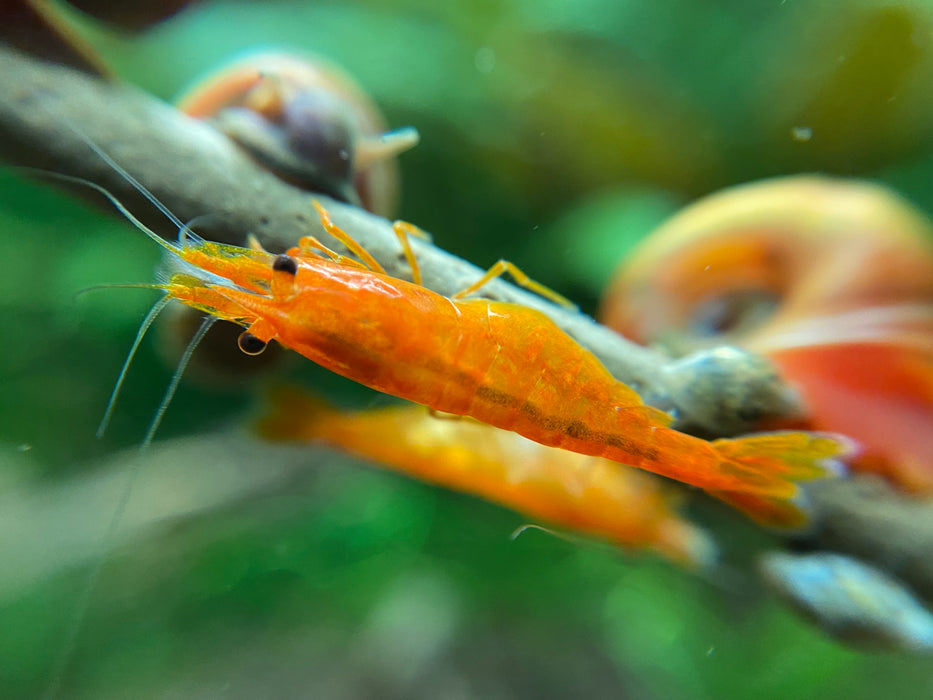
(285,263)
(250,344)
(735,312)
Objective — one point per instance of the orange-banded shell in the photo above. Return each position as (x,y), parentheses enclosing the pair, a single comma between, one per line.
(831,279)
(307,120)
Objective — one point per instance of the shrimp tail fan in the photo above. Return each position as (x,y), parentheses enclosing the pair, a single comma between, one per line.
(791,456)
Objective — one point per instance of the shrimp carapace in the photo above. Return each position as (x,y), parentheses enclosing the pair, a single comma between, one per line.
(583,494)
(503,364)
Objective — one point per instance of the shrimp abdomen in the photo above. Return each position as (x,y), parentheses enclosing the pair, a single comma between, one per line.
(543,384)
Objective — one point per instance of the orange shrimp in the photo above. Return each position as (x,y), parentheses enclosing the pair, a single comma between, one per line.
(585,494)
(503,364)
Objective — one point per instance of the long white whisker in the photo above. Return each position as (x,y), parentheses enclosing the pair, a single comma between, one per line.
(106,544)
(117,285)
(140,334)
(120,207)
(186,234)
(137,185)
(187,238)
(176,379)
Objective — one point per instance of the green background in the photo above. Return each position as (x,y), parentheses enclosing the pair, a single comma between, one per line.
(554,134)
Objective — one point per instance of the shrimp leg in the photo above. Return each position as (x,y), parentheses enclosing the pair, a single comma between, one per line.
(503,266)
(311,247)
(308,247)
(345,238)
(402,229)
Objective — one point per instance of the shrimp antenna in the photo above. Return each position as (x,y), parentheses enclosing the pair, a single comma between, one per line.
(140,334)
(176,378)
(187,235)
(137,185)
(120,207)
(117,285)
(71,634)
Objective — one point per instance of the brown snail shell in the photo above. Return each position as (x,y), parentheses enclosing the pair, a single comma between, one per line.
(307,120)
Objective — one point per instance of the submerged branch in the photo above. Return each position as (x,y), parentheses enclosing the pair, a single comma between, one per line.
(195,170)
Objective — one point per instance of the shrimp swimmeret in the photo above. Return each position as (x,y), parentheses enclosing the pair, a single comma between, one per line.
(501,363)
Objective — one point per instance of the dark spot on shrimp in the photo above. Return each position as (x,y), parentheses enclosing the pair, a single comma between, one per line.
(628,446)
(578,430)
(285,263)
(548,422)
(494,396)
(250,344)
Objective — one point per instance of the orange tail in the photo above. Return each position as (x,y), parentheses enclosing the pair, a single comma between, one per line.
(796,457)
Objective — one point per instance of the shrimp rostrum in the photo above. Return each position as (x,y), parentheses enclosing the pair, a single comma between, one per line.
(501,363)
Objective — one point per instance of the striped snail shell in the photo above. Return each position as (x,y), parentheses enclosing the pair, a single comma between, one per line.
(308,121)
